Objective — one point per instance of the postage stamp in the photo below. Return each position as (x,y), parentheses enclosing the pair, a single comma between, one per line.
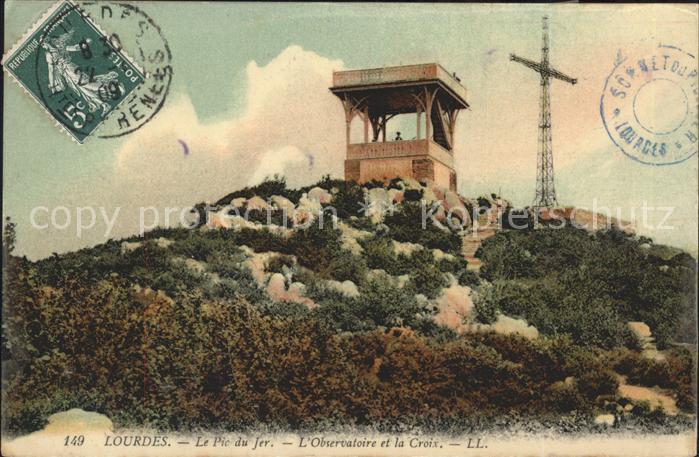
(649,106)
(73,69)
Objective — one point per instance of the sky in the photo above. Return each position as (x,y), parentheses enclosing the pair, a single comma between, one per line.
(250,98)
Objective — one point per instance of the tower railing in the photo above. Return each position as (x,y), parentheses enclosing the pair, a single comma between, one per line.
(403,148)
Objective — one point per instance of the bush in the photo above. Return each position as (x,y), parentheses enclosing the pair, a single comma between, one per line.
(425,275)
(380,304)
(406,225)
(594,383)
(278,264)
(588,285)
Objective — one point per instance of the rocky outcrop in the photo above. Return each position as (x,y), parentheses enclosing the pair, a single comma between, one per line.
(295,293)
(454,307)
(645,340)
(283,204)
(653,396)
(320,195)
(127,246)
(257,204)
(347,288)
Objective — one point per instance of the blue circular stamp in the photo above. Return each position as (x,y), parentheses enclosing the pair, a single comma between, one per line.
(649,106)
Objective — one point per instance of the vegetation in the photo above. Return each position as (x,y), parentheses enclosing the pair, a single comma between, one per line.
(589,285)
(175,330)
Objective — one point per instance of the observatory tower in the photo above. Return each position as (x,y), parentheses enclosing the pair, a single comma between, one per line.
(375,96)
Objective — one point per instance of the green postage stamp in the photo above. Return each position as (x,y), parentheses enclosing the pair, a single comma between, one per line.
(73,69)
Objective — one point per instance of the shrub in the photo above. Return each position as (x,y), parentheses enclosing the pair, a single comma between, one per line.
(348,199)
(426,275)
(406,225)
(277,264)
(594,383)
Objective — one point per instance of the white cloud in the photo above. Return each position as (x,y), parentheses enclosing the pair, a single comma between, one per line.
(291,125)
(288,160)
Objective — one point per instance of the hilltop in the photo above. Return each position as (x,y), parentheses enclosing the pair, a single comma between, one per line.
(263,315)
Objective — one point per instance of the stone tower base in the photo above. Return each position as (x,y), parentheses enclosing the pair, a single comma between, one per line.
(425,169)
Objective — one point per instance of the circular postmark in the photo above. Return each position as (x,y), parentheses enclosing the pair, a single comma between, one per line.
(649,106)
(138,35)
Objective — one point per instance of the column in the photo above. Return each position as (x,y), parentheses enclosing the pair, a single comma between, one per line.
(417,132)
(366,124)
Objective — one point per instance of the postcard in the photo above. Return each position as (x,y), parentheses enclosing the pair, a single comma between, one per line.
(349,229)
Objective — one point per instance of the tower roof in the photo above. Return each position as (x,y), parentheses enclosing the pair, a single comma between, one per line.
(395,78)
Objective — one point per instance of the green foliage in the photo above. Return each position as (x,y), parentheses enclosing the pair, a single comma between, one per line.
(379,254)
(380,304)
(320,250)
(348,199)
(425,275)
(279,263)
(677,372)
(146,361)
(9,236)
(589,285)
(211,349)
(486,305)
(406,225)
(412,195)
(275,185)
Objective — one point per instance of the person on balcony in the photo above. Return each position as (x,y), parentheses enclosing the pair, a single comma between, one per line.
(398,137)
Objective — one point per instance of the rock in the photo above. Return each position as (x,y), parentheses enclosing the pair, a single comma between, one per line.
(404,248)
(439,255)
(195,265)
(395,195)
(440,214)
(308,204)
(347,288)
(655,397)
(455,207)
(640,329)
(349,238)
(238,202)
(130,246)
(439,192)
(256,262)
(75,420)
(307,210)
(430,196)
(508,325)
(378,203)
(223,220)
(394,281)
(284,204)
(454,307)
(320,195)
(410,183)
(258,203)
(628,408)
(217,221)
(401,332)
(163,242)
(605,419)
(276,289)
(422,301)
